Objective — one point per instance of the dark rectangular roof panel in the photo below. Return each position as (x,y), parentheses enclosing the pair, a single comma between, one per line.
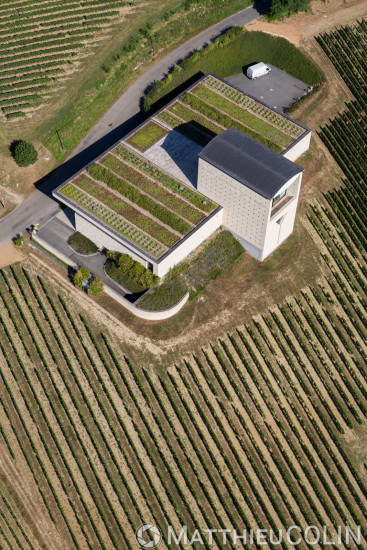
(249,162)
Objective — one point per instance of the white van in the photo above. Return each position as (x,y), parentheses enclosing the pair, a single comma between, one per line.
(260,69)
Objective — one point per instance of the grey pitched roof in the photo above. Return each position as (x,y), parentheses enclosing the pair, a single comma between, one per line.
(249,162)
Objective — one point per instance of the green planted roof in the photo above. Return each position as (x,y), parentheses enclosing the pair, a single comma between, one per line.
(137,200)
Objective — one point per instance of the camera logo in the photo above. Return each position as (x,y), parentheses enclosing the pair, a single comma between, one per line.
(148,536)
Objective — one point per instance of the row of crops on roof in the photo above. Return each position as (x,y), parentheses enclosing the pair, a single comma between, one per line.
(213,106)
(39,41)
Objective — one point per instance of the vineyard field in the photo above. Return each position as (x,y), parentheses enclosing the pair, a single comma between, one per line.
(249,432)
(262,428)
(40,43)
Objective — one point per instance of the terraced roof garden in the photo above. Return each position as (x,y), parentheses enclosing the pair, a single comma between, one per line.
(139,201)
(213,106)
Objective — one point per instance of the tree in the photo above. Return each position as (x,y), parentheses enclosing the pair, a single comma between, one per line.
(133,269)
(125,263)
(24,153)
(284,8)
(113,255)
(19,241)
(96,287)
(147,279)
(81,275)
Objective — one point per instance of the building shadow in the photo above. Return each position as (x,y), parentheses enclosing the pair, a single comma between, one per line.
(183,145)
(80,161)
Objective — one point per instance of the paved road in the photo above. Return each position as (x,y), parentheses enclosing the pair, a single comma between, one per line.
(56,233)
(124,115)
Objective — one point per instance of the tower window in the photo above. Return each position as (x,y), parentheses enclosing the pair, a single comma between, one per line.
(278,197)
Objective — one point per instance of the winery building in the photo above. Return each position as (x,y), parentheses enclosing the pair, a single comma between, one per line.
(204,177)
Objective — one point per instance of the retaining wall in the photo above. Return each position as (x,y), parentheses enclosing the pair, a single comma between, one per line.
(142,313)
(54,251)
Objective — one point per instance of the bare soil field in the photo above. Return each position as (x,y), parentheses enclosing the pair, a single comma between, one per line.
(10,254)
(323,17)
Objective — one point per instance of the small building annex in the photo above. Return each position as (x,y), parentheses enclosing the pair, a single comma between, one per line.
(213,156)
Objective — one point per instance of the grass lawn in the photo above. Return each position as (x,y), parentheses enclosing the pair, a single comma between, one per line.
(147,136)
(81,244)
(228,56)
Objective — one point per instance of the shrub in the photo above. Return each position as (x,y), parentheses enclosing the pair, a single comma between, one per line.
(129,273)
(301,99)
(193,275)
(96,287)
(285,8)
(81,244)
(19,241)
(81,275)
(24,153)
(136,271)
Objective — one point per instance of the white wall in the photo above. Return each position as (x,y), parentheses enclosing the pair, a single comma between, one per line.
(144,314)
(298,148)
(276,232)
(190,243)
(103,240)
(245,212)
(250,248)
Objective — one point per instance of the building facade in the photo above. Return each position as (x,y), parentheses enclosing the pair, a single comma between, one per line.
(257,187)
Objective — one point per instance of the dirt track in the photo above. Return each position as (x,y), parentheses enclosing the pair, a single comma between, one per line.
(9,254)
(324,16)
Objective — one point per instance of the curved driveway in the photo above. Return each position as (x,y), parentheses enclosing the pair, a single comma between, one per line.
(120,119)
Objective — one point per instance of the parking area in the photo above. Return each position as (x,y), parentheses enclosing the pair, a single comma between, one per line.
(277,89)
